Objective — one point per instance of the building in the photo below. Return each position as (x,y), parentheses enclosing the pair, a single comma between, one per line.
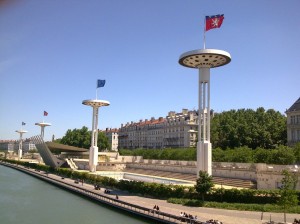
(8,145)
(293,123)
(181,129)
(112,135)
(176,130)
(13,146)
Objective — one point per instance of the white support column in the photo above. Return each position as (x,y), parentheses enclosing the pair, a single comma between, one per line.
(93,156)
(204,145)
(20,151)
(42,131)
(20,147)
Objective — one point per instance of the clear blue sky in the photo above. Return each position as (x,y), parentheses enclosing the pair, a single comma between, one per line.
(53,51)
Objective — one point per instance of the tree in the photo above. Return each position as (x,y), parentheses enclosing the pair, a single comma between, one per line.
(246,127)
(296,150)
(283,156)
(204,183)
(82,138)
(288,195)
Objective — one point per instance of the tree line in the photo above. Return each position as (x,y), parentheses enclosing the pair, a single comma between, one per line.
(282,155)
(247,127)
(82,138)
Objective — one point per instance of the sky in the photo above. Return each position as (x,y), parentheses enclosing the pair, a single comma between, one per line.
(52,52)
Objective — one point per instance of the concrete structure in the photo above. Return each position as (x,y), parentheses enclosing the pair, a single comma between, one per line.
(293,123)
(203,60)
(176,130)
(48,158)
(93,161)
(21,132)
(43,125)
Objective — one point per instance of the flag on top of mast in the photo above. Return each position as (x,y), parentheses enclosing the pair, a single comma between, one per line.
(100,83)
(212,22)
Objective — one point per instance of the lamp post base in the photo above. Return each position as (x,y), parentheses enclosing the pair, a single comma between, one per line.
(93,160)
(204,157)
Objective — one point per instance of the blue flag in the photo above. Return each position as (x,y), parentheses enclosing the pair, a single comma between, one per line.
(100,83)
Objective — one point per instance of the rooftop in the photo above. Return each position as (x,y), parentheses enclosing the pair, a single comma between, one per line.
(295,106)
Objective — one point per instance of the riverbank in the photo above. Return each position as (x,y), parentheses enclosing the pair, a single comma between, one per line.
(169,213)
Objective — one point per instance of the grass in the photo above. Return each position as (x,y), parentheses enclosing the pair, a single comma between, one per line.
(234,206)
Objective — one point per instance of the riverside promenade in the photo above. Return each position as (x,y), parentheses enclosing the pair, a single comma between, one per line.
(168,213)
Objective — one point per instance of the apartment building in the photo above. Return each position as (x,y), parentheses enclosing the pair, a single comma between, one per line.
(13,145)
(175,130)
(293,123)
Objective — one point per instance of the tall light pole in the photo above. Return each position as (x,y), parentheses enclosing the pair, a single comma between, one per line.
(21,132)
(93,156)
(42,125)
(203,60)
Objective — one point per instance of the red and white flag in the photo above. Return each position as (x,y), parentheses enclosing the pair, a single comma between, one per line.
(212,22)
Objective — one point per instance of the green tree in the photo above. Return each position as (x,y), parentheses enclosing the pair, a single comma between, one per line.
(296,151)
(261,155)
(203,184)
(283,155)
(288,195)
(246,127)
(82,138)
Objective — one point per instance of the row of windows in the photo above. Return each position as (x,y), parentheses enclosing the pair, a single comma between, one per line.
(295,119)
(296,135)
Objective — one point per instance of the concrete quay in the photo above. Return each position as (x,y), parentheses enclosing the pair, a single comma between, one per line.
(169,213)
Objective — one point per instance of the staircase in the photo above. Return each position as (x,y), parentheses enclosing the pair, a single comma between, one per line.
(233,182)
(71,164)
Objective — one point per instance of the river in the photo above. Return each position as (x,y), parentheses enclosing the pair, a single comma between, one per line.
(27,200)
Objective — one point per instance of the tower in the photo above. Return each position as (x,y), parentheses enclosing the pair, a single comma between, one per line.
(204,60)
(43,125)
(21,132)
(93,156)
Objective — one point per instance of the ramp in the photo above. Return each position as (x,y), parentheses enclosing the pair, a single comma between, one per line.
(48,157)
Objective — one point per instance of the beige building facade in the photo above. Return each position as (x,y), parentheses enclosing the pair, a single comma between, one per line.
(176,130)
(293,123)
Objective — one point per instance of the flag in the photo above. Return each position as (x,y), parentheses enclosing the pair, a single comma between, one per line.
(212,22)
(45,113)
(23,123)
(100,83)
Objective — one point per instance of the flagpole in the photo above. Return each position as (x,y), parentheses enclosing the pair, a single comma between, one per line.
(204,33)
(97,90)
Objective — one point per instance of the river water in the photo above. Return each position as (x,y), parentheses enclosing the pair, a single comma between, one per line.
(27,200)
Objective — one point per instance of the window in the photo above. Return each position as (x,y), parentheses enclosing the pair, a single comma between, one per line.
(293,135)
(292,119)
(298,119)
